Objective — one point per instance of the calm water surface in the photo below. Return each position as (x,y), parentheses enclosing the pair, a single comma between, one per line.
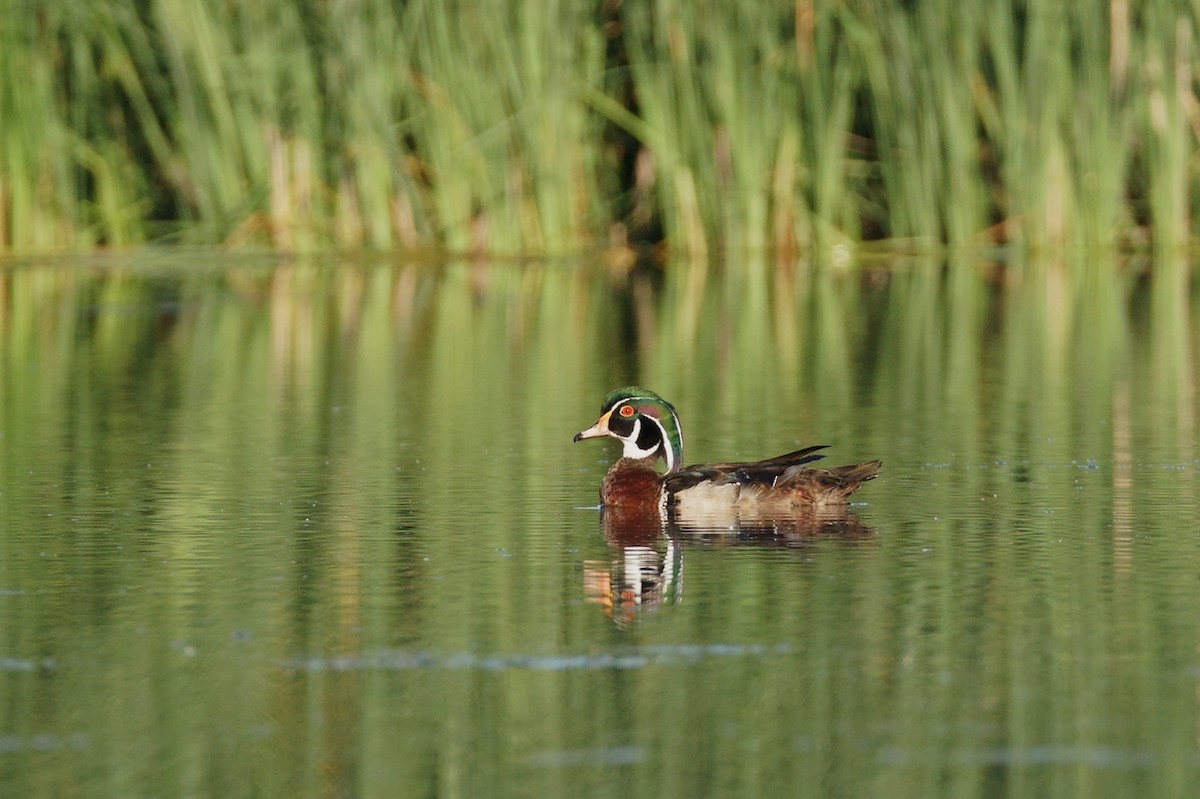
(280,529)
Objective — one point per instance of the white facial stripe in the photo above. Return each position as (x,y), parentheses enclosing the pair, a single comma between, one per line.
(667,453)
(679,430)
(632,450)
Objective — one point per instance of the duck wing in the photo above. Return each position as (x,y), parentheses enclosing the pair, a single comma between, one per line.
(767,472)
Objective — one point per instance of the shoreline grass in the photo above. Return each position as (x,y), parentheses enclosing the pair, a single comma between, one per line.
(766,127)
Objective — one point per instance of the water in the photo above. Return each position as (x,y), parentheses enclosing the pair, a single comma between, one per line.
(278,529)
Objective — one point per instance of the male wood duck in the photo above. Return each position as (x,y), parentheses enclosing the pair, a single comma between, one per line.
(648,427)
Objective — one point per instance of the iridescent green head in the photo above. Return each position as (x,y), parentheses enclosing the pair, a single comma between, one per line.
(644,422)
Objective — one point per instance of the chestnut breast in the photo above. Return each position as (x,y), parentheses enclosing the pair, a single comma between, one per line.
(632,483)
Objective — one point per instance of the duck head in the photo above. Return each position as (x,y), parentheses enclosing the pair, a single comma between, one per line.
(645,424)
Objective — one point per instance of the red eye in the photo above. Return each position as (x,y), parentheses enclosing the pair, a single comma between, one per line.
(626,411)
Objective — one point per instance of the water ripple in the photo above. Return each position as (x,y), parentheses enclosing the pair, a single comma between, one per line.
(24,664)
(663,655)
(573,758)
(1037,755)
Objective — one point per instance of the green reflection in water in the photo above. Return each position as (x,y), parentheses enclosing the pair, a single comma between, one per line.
(298,529)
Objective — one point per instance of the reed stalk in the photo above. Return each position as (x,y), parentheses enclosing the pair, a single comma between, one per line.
(767,126)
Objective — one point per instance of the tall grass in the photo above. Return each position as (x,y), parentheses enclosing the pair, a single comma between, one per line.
(770,126)
(746,118)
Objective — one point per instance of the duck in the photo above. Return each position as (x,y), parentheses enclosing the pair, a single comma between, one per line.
(649,430)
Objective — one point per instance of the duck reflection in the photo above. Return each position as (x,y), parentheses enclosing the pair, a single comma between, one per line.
(645,569)
(799,527)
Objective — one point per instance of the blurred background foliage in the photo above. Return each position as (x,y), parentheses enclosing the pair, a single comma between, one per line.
(776,126)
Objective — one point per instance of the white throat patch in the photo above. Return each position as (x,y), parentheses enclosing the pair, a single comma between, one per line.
(632,450)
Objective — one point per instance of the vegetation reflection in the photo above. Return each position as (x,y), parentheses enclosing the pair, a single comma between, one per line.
(330,515)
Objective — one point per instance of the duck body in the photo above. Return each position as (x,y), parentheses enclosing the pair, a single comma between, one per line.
(649,429)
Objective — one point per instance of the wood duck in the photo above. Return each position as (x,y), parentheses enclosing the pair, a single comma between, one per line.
(648,427)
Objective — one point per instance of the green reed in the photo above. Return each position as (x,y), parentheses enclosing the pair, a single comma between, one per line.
(767,126)
(746,110)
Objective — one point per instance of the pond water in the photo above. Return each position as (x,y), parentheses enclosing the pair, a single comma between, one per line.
(319,529)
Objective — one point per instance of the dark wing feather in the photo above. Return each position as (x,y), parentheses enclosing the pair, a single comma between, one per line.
(826,486)
(764,471)
(800,456)
(831,479)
